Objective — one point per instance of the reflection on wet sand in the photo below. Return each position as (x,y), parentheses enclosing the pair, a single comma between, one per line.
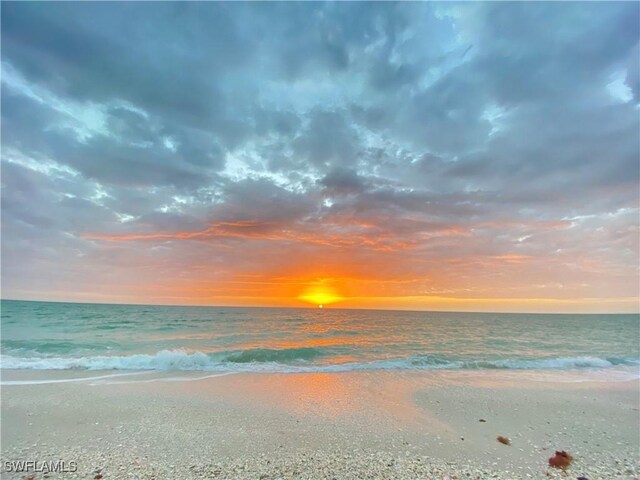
(383,398)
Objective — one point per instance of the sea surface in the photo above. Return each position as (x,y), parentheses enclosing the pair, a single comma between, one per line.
(61,336)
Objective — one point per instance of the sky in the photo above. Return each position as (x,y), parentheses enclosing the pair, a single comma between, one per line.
(425,156)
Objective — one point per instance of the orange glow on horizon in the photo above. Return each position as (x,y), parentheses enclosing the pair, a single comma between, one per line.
(320,295)
(353,263)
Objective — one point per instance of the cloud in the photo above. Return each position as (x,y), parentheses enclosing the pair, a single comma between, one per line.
(457,149)
(343,181)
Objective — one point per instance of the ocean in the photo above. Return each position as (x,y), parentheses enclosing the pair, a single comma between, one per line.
(61,336)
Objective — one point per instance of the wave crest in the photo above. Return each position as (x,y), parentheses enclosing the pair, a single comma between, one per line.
(262,355)
(293,360)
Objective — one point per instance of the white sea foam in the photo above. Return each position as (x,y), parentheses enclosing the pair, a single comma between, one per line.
(292,360)
(163,360)
(69,380)
(555,363)
(108,379)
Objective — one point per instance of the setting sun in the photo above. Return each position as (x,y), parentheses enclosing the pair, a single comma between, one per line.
(320,295)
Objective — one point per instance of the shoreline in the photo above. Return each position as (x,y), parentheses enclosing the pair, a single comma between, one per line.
(321,425)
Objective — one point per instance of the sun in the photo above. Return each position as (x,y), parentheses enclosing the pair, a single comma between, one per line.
(320,295)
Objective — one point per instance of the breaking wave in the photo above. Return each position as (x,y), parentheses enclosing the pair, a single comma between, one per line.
(294,360)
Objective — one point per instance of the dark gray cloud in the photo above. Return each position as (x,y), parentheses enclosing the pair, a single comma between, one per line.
(343,181)
(327,140)
(439,135)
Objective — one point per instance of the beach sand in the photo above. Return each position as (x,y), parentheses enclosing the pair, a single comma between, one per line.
(357,425)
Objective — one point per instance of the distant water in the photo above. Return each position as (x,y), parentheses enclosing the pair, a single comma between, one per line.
(41,335)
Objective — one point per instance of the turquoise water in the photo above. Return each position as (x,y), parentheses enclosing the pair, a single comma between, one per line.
(42,335)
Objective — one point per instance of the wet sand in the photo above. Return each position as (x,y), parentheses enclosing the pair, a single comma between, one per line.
(395,425)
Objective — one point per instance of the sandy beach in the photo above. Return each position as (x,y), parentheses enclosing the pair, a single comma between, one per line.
(390,425)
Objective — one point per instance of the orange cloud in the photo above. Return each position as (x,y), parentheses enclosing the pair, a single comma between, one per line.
(359,264)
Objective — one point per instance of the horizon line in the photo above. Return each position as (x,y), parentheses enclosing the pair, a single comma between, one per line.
(326,307)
